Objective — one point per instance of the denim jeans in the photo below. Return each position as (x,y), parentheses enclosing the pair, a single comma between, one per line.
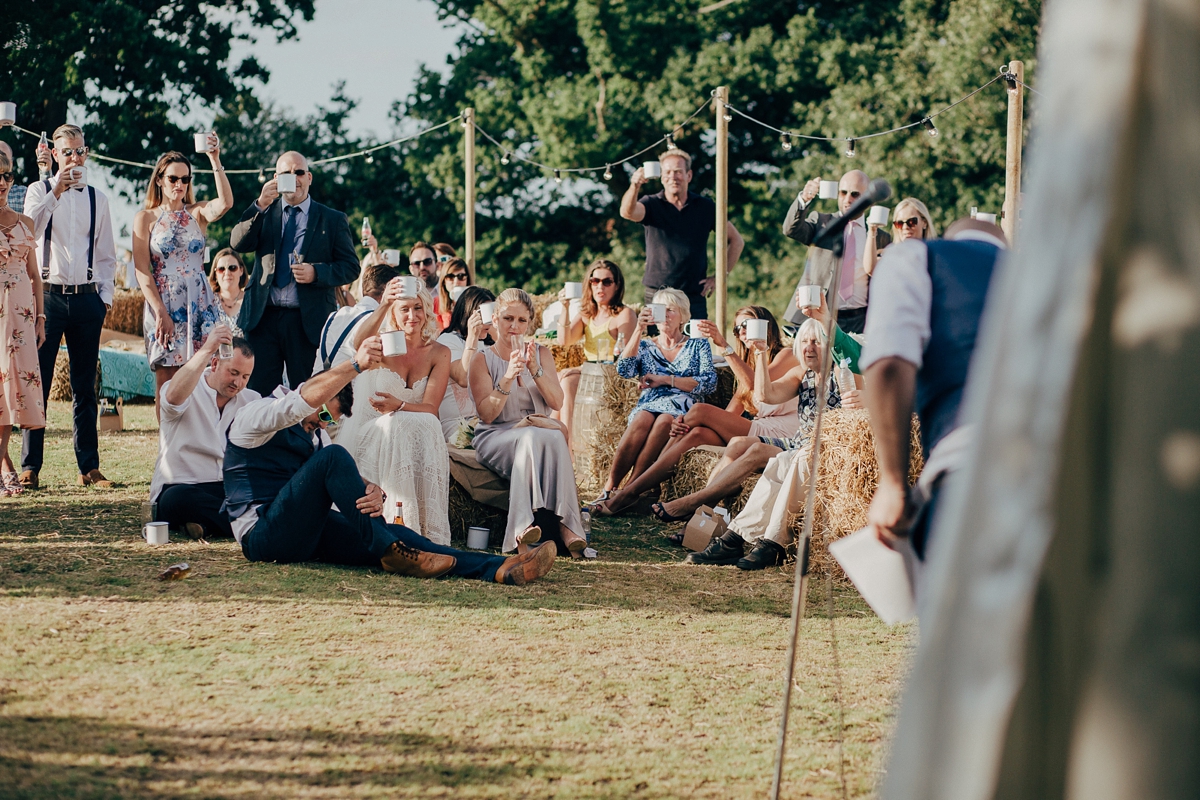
(300,525)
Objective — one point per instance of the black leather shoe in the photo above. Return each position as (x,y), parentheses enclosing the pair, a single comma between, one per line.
(765,554)
(722,551)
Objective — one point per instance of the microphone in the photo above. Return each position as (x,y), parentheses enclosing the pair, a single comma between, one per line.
(830,237)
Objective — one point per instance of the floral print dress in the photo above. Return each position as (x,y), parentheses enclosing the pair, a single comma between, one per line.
(20,376)
(693,361)
(177,266)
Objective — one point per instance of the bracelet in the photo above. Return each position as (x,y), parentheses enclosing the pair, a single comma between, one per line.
(541,371)
(401,408)
(496,386)
(41,316)
(218,169)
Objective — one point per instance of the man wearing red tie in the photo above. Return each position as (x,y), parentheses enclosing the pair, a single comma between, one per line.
(819,269)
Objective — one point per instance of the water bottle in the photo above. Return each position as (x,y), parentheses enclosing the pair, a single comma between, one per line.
(366,231)
(845,378)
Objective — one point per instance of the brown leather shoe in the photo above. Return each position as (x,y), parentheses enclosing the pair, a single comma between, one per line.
(94,478)
(404,560)
(527,567)
(29,479)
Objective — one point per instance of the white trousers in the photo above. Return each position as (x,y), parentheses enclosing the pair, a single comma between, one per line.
(778,494)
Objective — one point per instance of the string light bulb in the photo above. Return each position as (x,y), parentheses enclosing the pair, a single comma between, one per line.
(262,175)
(930,128)
(608,172)
(728,116)
(785,141)
(370,158)
(557,176)
(850,148)
(504,158)
(670,142)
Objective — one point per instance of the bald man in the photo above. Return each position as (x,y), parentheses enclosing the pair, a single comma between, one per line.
(818,269)
(302,251)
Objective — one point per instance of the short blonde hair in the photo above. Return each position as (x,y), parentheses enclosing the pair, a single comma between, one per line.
(429,331)
(677,299)
(922,212)
(675,152)
(515,295)
(67,131)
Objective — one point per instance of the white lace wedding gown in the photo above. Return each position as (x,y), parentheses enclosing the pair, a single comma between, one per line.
(403,452)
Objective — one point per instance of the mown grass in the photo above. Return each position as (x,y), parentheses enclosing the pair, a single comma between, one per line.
(633,676)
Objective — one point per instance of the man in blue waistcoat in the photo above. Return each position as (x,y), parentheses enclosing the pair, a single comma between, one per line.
(927,301)
(283,477)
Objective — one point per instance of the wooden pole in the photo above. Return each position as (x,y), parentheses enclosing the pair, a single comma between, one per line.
(1012,158)
(721,98)
(469,200)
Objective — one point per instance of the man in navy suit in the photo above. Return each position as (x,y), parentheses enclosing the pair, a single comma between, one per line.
(302,251)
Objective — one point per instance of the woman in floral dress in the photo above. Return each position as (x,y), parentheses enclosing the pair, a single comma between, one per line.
(22,329)
(168,254)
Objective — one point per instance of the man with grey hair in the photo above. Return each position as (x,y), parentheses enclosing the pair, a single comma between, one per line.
(78,257)
(303,252)
(677,224)
(819,266)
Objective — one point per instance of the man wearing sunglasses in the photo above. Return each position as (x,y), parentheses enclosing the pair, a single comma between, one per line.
(283,479)
(78,257)
(820,264)
(303,251)
(423,264)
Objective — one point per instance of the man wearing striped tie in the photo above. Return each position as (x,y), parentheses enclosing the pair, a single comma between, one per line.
(819,268)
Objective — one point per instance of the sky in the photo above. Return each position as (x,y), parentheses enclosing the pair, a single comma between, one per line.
(376,46)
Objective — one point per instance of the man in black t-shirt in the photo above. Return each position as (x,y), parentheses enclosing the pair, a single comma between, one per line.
(677,224)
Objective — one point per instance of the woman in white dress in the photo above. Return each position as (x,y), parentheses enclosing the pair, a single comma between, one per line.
(393,432)
(464,336)
(515,388)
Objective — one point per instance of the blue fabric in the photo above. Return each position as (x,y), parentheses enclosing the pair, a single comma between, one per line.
(125,374)
(287,245)
(693,361)
(299,524)
(255,475)
(961,272)
(16,198)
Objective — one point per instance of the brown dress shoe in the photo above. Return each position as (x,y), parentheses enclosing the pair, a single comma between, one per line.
(527,567)
(404,560)
(29,479)
(94,478)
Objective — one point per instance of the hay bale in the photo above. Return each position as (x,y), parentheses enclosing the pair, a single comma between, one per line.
(692,474)
(567,357)
(126,312)
(60,385)
(602,405)
(465,511)
(846,482)
(540,303)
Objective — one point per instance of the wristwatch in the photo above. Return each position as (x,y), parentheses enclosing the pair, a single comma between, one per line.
(728,350)
(357,368)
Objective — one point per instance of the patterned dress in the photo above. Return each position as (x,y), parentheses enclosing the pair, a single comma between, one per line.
(807,411)
(177,265)
(20,376)
(693,361)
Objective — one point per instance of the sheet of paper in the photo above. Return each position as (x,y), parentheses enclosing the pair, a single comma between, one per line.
(879,573)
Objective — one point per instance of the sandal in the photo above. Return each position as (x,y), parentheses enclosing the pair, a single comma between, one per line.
(10,485)
(660,513)
(676,539)
(600,509)
(603,498)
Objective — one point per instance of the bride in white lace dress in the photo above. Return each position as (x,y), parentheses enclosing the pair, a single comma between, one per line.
(393,432)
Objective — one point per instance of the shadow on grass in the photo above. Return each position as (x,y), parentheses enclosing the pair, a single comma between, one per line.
(71,756)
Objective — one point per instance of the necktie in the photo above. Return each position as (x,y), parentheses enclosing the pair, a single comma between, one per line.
(849,262)
(283,270)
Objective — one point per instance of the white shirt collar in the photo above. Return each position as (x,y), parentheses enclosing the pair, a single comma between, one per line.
(978,236)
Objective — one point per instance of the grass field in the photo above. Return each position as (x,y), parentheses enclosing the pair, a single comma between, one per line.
(633,676)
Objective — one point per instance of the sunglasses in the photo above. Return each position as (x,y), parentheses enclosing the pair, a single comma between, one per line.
(8,177)
(911,222)
(78,151)
(299,173)
(442,259)
(740,328)
(457,276)
(173,179)
(853,195)
(234,268)
(424,262)
(325,416)
(601,281)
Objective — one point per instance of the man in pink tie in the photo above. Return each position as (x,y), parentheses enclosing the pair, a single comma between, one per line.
(853,287)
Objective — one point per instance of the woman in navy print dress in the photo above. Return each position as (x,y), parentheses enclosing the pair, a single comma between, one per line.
(674,371)
(168,254)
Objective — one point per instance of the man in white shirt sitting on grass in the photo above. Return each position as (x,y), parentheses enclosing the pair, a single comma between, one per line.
(197,407)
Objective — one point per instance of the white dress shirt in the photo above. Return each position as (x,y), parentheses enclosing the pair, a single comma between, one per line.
(334,326)
(254,426)
(288,296)
(69,236)
(191,435)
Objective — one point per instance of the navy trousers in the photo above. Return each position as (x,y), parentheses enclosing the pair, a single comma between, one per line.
(280,340)
(181,503)
(300,525)
(79,317)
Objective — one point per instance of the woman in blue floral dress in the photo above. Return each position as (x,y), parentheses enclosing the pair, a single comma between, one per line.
(168,254)
(674,371)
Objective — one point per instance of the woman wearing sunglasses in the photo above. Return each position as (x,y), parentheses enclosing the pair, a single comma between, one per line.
(705,424)
(453,278)
(168,254)
(910,220)
(602,318)
(228,282)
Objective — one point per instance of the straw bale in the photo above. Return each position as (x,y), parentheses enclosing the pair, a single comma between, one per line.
(126,312)
(540,303)
(726,385)
(692,474)
(567,357)
(846,482)
(595,438)
(60,384)
(465,511)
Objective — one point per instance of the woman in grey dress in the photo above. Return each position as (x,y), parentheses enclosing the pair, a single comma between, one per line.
(515,388)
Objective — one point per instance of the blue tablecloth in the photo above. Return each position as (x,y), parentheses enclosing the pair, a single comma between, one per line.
(125,374)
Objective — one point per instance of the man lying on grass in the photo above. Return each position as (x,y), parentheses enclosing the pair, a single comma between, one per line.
(283,476)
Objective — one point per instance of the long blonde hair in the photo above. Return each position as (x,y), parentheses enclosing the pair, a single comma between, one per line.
(922,212)
(154,193)
(429,330)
